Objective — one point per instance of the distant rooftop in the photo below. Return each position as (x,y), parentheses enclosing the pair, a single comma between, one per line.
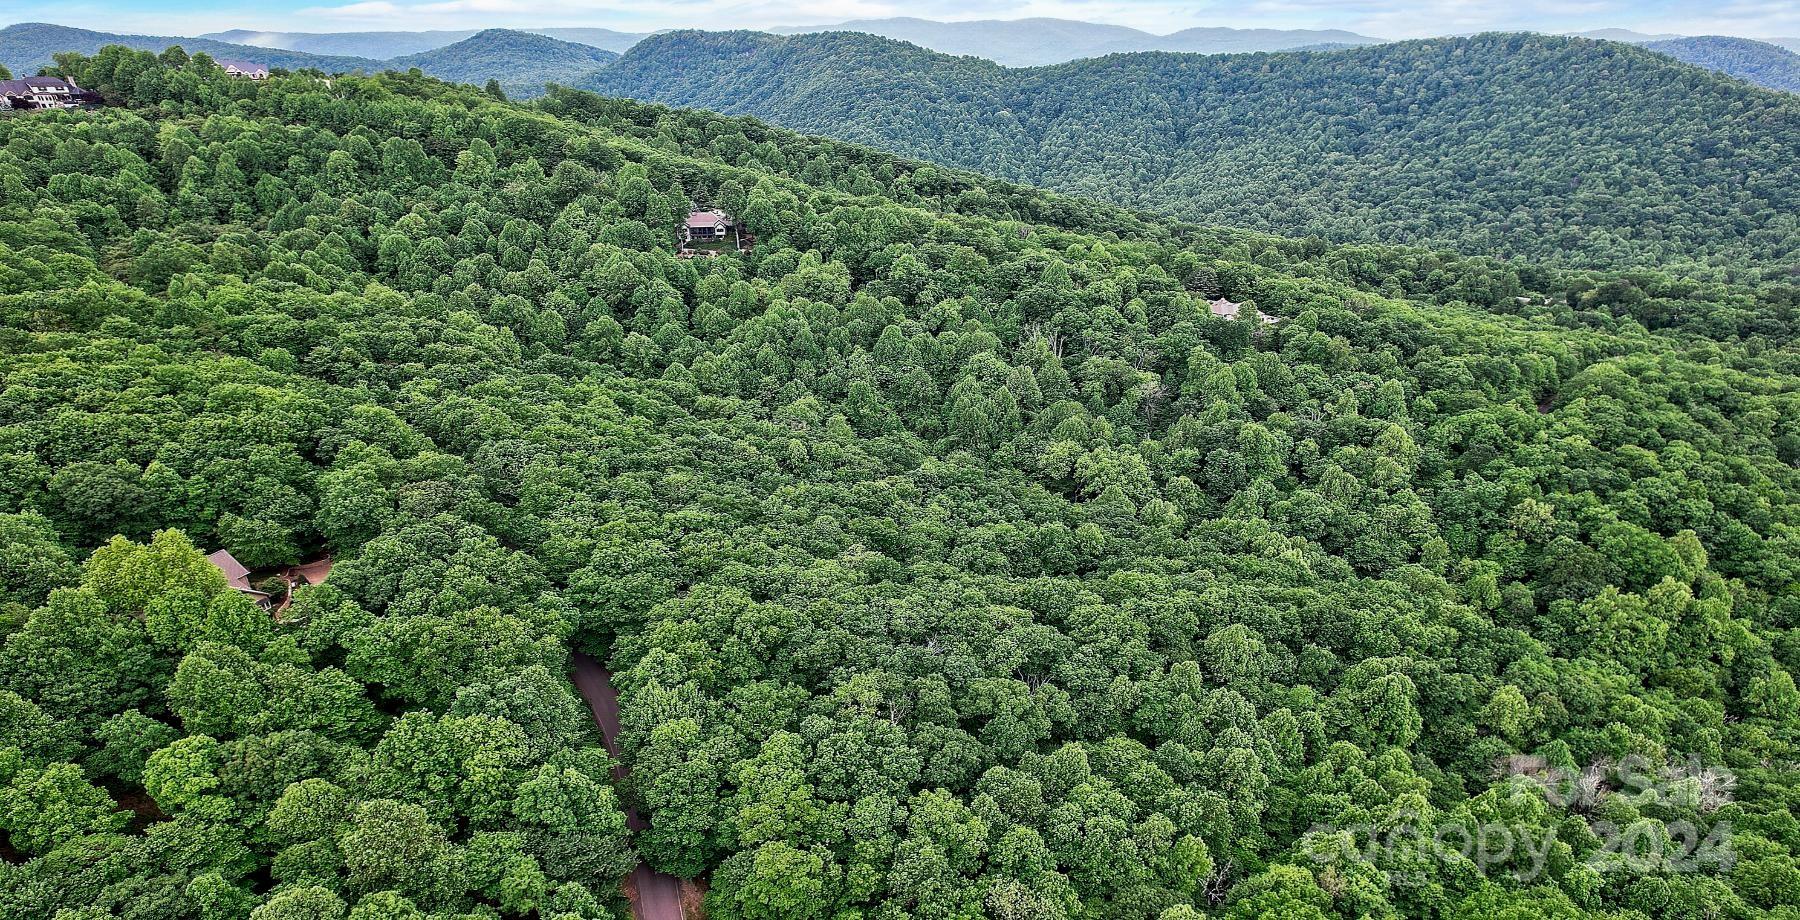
(235,574)
(244,67)
(708,219)
(25,85)
(1226,309)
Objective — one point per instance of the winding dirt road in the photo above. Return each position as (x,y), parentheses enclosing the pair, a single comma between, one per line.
(657,895)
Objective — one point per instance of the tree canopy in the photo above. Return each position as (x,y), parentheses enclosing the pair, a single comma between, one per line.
(953,558)
(1565,150)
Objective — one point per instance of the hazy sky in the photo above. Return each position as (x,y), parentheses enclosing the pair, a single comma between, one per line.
(1380,18)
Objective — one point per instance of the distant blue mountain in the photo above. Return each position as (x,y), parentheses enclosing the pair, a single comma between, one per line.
(28,46)
(393,44)
(1032,42)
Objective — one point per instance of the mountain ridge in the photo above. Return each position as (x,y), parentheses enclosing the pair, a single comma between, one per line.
(1628,36)
(952,550)
(1011,43)
(522,62)
(1420,141)
(27,46)
(497,54)
(1762,63)
(1040,41)
(389,44)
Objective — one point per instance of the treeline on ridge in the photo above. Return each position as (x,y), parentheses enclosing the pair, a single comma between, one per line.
(1557,150)
(953,557)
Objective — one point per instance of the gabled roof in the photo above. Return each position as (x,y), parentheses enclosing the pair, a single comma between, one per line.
(314,572)
(708,219)
(1226,309)
(235,574)
(244,67)
(26,85)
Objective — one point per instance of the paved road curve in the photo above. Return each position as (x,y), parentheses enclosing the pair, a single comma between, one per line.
(658,893)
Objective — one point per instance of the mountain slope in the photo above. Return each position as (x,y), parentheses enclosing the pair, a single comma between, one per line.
(607,39)
(379,45)
(1014,43)
(520,61)
(1218,40)
(1587,152)
(1032,42)
(391,44)
(1753,61)
(951,556)
(26,47)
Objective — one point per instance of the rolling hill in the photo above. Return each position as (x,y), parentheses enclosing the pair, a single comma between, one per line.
(390,44)
(379,45)
(1770,63)
(1219,40)
(616,42)
(1032,42)
(1757,62)
(1578,151)
(522,62)
(27,46)
(950,555)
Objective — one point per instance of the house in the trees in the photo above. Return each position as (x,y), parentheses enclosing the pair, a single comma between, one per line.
(238,577)
(43,93)
(300,576)
(1225,309)
(308,573)
(245,69)
(707,226)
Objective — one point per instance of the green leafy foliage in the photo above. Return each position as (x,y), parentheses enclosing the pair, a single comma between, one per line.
(27,46)
(520,62)
(1567,150)
(951,556)
(1747,59)
(1039,40)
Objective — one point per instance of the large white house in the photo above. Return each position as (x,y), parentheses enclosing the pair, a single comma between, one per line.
(705,226)
(42,93)
(245,69)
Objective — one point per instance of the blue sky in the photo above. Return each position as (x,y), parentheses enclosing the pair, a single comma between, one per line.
(1381,18)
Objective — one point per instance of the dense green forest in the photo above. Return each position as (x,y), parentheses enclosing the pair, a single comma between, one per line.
(521,63)
(388,44)
(954,560)
(1758,62)
(1039,40)
(1555,149)
(27,46)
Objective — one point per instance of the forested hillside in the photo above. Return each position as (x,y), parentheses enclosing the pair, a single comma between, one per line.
(377,45)
(954,558)
(1557,149)
(1757,62)
(1038,40)
(28,46)
(520,62)
(390,44)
